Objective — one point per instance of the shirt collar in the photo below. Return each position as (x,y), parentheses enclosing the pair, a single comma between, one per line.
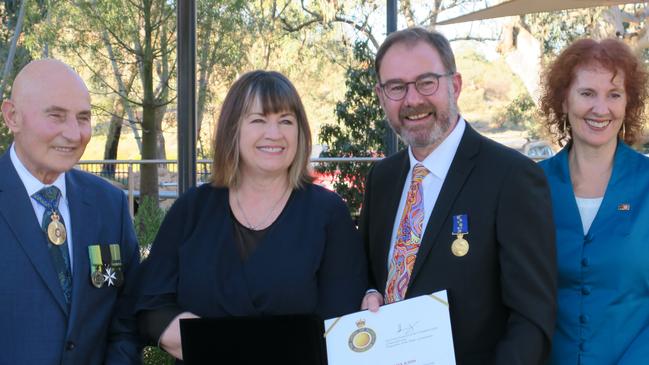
(32,184)
(439,161)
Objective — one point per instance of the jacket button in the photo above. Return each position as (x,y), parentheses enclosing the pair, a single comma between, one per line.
(585,262)
(583,318)
(588,238)
(582,346)
(70,346)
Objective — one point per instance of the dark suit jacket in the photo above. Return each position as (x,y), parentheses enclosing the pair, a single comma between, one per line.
(36,326)
(502,293)
(311,260)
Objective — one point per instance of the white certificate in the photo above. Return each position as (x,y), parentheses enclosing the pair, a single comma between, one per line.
(415,331)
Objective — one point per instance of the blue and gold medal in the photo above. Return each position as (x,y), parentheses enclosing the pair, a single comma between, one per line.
(460,247)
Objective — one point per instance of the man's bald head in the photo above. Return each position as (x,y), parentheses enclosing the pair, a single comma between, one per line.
(44,73)
(49,116)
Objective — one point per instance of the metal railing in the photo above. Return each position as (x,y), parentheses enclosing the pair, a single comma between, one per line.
(123,173)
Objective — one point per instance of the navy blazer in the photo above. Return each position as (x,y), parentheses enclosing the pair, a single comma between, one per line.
(36,327)
(502,293)
(603,312)
(311,259)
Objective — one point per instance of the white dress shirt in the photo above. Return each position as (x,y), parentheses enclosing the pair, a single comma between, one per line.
(438,163)
(33,185)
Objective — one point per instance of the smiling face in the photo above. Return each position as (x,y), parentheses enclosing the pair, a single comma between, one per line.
(595,105)
(267,142)
(422,121)
(49,116)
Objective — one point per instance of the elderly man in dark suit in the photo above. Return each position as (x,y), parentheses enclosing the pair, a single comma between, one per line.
(66,238)
(457,211)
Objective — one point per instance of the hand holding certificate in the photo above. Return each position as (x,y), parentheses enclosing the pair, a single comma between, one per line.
(414,331)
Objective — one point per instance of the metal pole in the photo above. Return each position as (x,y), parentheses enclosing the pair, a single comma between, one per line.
(391,141)
(131,189)
(186,39)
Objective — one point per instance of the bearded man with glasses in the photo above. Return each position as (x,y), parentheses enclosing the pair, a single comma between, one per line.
(456,211)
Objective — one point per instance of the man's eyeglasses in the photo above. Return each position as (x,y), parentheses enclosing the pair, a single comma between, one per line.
(426,84)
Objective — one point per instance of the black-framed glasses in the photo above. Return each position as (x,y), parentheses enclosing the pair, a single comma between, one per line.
(426,84)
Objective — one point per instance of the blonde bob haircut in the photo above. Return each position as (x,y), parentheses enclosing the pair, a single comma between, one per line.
(276,94)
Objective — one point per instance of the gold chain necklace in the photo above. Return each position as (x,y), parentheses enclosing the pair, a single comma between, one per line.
(270,213)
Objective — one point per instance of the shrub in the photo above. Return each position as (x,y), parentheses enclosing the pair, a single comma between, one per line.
(155,356)
(359,130)
(147,222)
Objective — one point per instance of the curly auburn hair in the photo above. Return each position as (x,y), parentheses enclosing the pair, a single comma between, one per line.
(611,54)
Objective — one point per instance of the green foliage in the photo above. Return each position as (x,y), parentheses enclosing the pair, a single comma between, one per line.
(147,221)
(558,29)
(488,85)
(520,114)
(358,132)
(155,356)
(5,137)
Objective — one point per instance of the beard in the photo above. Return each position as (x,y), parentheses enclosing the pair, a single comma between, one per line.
(430,134)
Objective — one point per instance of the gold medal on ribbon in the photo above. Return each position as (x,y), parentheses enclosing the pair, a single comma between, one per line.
(56,230)
(460,246)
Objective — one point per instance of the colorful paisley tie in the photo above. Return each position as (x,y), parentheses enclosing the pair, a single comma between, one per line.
(408,239)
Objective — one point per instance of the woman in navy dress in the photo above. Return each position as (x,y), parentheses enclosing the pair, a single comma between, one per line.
(594,99)
(261,239)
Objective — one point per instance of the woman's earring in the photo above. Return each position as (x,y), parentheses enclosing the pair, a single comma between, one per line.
(623,130)
(565,125)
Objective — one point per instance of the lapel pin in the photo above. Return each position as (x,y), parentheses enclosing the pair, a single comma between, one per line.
(624,207)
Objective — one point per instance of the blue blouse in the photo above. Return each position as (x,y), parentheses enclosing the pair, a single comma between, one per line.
(603,296)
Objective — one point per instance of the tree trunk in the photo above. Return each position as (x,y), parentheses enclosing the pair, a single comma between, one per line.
(112,138)
(123,90)
(9,64)
(408,13)
(204,71)
(148,172)
(160,112)
(522,53)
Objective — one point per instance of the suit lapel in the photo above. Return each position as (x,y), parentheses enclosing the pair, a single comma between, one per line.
(85,221)
(459,171)
(393,193)
(17,210)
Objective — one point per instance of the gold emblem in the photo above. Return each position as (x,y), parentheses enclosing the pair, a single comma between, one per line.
(97,278)
(362,339)
(460,246)
(56,230)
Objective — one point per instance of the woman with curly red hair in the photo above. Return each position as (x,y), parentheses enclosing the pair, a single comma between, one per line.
(593,102)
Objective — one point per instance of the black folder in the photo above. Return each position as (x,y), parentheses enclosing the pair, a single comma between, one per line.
(286,340)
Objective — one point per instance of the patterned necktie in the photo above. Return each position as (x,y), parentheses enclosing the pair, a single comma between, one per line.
(49,198)
(408,238)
